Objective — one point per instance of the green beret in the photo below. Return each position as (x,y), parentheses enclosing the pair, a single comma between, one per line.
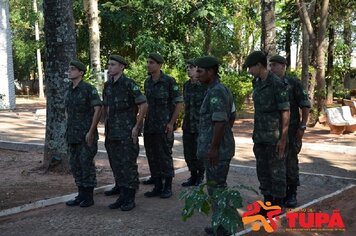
(206,62)
(119,59)
(79,65)
(156,57)
(190,62)
(254,57)
(278,59)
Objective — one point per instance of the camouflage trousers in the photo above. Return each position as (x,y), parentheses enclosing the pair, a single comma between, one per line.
(123,162)
(190,152)
(292,162)
(159,154)
(271,171)
(216,175)
(81,160)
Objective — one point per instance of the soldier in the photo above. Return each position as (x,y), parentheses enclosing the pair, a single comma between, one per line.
(216,144)
(83,110)
(298,99)
(164,104)
(193,93)
(270,133)
(122,100)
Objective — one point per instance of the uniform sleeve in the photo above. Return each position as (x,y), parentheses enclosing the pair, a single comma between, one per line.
(301,95)
(176,94)
(135,90)
(94,97)
(217,103)
(105,99)
(281,95)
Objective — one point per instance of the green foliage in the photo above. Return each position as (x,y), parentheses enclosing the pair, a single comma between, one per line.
(95,79)
(225,202)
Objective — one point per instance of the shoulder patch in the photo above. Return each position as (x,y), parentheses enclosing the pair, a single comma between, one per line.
(175,88)
(214,100)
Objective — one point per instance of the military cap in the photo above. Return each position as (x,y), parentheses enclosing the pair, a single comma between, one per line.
(79,65)
(156,57)
(253,58)
(119,59)
(206,62)
(190,62)
(279,59)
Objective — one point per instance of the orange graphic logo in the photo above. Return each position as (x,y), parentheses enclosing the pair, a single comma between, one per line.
(252,216)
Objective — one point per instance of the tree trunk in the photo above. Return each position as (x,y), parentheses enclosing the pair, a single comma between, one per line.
(330,67)
(347,35)
(288,43)
(207,43)
(60,49)
(7,86)
(92,15)
(268,37)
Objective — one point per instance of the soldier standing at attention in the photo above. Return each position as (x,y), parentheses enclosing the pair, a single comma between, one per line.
(193,93)
(298,99)
(122,97)
(270,133)
(83,110)
(164,104)
(216,144)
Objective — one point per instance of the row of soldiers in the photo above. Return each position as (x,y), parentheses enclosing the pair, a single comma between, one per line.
(208,140)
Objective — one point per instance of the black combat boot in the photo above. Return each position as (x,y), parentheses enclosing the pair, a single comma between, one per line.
(167,190)
(290,200)
(192,180)
(277,202)
(266,198)
(118,203)
(129,203)
(88,197)
(148,181)
(200,178)
(78,199)
(157,190)
(221,231)
(114,191)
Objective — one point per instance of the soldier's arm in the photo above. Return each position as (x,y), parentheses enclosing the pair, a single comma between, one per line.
(218,134)
(96,118)
(175,114)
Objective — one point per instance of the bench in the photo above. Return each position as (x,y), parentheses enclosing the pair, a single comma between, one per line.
(351,104)
(340,120)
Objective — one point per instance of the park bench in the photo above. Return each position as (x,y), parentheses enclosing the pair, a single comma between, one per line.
(351,104)
(340,120)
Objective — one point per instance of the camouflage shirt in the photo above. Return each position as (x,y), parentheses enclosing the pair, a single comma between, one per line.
(270,97)
(216,107)
(162,96)
(79,104)
(121,97)
(193,93)
(298,98)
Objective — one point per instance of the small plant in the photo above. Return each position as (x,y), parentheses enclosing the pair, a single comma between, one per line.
(225,202)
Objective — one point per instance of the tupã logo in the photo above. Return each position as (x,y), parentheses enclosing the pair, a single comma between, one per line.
(252,216)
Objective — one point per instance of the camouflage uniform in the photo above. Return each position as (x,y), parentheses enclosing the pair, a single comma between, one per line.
(162,96)
(270,98)
(193,93)
(79,103)
(298,98)
(122,98)
(216,106)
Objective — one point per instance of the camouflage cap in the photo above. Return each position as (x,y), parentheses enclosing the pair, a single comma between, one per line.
(119,59)
(253,58)
(156,57)
(206,62)
(79,65)
(278,59)
(190,62)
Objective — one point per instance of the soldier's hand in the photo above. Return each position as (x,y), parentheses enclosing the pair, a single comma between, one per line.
(169,128)
(213,156)
(134,134)
(281,147)
(89,137)
(300,134)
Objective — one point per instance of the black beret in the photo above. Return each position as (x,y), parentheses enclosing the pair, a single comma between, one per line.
(190,62)
(119,59)
(79,65)
(254,57)
(156,57)
(206,62)
(279,59)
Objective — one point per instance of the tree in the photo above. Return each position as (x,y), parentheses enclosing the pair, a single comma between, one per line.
(60,49)
(7,88)
(268,38)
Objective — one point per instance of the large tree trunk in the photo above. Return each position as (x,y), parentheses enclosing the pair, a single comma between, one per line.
(60,49)
(268,37)
(330,67)
(7,86)
(207,42)
(92,14)
(288,43)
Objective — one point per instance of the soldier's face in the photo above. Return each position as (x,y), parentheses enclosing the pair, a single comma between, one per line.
(278,68)
(74,73)
(152,66)
(254,70)
(191,70)
(114,68)
(203,75)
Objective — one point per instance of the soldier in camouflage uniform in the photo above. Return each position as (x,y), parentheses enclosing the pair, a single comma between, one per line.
(193,93)
(298,99)
(83,110)
(216,144)
(122,100)
(270,133)
(164,104)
